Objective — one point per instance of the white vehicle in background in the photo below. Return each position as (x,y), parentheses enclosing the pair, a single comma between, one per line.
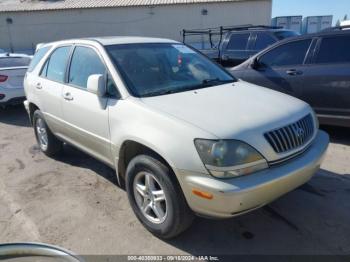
(345,23)
(13,68)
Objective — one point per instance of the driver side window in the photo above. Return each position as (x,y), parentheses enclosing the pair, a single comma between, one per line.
(292,53)
(85,62)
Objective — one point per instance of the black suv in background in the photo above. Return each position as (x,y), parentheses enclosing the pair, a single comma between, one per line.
(314,68)
(230,46)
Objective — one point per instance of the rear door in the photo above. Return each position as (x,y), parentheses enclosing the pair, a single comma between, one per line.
(326,85)
(86,114)
(282,67)
(49,85)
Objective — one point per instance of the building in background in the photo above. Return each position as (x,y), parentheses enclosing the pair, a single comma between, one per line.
(25,23)
(289,22)
(314,24)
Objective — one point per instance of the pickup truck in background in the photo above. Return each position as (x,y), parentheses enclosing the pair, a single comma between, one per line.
(231,46)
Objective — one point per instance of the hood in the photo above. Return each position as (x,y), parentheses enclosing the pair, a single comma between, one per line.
(230,110)
(239,111)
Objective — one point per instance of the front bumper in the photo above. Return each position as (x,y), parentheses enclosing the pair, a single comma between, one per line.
(232,197)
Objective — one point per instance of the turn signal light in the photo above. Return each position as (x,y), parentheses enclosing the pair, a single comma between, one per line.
(202,194)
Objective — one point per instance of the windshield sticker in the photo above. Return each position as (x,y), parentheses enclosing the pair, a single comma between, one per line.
(184,49)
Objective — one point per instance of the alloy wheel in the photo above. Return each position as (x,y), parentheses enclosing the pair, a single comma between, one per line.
(150,197)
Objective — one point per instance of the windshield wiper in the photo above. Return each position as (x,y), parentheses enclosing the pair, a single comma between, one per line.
(216,81)
(160,93)
(205,83)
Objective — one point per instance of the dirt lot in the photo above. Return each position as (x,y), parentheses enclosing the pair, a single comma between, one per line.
(73,201)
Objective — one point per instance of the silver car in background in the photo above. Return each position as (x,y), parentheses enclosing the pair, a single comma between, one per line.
(184,136)
(13,68)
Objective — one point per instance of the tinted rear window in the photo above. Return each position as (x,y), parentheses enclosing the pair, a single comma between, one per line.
(14,61)
(238,42)
(263,40)
(285,34)
(37,57)
(334,50)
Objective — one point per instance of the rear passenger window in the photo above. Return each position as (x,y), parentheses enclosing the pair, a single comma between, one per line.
(334,50)
(238,42)
(288,54)
(37,57)
(85,62)
(263,40)
(55,66)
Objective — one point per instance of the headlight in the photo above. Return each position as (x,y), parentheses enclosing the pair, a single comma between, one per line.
(229,158)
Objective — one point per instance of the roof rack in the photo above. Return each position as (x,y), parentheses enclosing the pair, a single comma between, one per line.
(336,28)
(221,30)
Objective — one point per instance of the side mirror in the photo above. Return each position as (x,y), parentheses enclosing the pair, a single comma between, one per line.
(96,85)
(256,64)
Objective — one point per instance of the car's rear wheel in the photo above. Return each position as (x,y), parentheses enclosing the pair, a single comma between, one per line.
(156,197)
(47,141)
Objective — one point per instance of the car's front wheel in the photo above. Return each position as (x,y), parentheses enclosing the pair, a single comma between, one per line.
(47,141)
(156,197)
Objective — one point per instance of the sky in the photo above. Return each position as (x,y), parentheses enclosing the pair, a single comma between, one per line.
(337,8)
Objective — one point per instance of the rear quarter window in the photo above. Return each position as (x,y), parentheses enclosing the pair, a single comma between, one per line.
(37,57)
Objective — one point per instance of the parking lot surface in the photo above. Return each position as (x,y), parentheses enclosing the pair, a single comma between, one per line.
(74,202)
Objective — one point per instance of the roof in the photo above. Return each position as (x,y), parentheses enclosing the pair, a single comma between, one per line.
(43,5)
(117,40)
(112,40)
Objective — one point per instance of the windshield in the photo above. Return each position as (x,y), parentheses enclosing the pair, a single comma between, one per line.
(285,34)
(159,69)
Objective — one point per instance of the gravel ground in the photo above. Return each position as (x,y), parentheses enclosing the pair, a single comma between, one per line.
(74,202)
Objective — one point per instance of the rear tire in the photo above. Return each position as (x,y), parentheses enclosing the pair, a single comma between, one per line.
(160,206)
(47,141)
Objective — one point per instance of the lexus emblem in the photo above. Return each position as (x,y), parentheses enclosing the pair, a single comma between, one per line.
(299,132)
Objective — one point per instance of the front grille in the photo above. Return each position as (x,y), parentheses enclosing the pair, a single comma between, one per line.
(292,136)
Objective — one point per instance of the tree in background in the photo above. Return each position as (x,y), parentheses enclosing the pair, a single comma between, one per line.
(345,18)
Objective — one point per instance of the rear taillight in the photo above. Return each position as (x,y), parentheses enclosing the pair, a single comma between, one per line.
(3,78)
(2,96)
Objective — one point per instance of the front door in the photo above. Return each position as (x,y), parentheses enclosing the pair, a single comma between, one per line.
(86,114)
(281,68)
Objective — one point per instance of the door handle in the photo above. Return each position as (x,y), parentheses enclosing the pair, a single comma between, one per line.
(294,72)
(68,96)
(39,86)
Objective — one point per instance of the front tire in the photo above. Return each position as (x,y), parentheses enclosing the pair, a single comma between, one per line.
(46,140)
(156,197)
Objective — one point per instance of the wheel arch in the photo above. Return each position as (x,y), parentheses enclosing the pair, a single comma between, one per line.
(32,108)
(131,148)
